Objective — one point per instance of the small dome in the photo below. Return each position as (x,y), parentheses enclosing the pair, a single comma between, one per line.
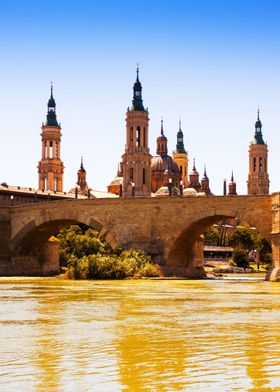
(162,138)
(117,181)
(189,192)
(164,191)
(194,172)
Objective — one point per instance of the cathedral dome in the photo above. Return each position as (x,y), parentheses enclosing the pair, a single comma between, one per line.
(163,163)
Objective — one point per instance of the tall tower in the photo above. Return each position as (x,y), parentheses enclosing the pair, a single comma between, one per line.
(258,179)
(232,186)
(50,167)
(137,158)
(194,179)
(205,187)
(180,156)
(82,182)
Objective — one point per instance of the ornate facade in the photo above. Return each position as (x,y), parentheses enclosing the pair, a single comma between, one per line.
(258,179)
(50,167)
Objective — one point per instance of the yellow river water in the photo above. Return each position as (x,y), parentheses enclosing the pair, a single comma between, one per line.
(177,335)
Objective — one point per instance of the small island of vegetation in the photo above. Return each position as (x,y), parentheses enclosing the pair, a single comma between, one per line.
(84,254)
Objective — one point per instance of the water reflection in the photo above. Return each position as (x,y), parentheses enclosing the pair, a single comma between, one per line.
(139,335)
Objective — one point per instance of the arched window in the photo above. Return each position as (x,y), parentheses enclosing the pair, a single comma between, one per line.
(56,184)
(131,135)
(144,176)
(144,138)
(138,135)
(131,174)
(255,165)
(261,165)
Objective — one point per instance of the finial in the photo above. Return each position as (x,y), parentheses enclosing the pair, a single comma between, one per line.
(232,179)
(51,89)
(194,164)
(204,170)
(258,113)
(137,72)
(161,128)
(82,163)
(179,123)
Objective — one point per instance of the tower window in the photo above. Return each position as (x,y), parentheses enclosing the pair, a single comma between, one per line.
(56,150)
(181,169)
(144,138)
(45,150)
(44,183)
(138,133)
(51,149)
(255,165)
(265,165)
(144,176)
(261,165)
(56,184)
(131,135)
(131,174)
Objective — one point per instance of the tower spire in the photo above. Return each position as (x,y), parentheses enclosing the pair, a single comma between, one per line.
(161,127)
(258,138)
(137,101)
(51,114)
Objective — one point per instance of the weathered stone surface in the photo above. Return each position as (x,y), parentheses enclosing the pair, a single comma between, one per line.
(168,228)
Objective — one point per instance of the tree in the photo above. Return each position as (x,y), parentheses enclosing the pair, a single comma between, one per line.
(240,257)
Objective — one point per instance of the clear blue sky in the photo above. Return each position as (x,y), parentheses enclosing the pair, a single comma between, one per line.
(209,62)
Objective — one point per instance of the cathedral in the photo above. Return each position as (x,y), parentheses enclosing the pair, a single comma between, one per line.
(139,173)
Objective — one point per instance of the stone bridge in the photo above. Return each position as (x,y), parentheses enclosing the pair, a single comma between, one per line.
(168,228)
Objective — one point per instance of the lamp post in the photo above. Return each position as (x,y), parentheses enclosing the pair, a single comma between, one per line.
(76,192)
(133,189)
(181,188)
(120,193)
(170,186)
(12,200)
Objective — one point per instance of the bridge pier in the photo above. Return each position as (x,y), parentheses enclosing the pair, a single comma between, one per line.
(186,263)
(5,230)
(44,262)
(274,272)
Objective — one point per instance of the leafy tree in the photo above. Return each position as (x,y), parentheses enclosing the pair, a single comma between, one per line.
(211,237)
(240,257)
(241,238)
(87,255)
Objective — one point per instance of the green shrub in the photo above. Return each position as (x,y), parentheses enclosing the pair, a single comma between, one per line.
(240,257)
(87,255)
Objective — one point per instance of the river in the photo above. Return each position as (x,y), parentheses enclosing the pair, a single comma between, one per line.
(175,335)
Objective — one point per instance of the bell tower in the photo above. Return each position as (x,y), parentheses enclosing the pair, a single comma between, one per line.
(50,167)
(180,155)
(137,158)
(258,179)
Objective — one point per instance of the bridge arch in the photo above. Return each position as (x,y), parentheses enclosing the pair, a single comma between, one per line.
(31,251)
(39,229)
(185,251)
